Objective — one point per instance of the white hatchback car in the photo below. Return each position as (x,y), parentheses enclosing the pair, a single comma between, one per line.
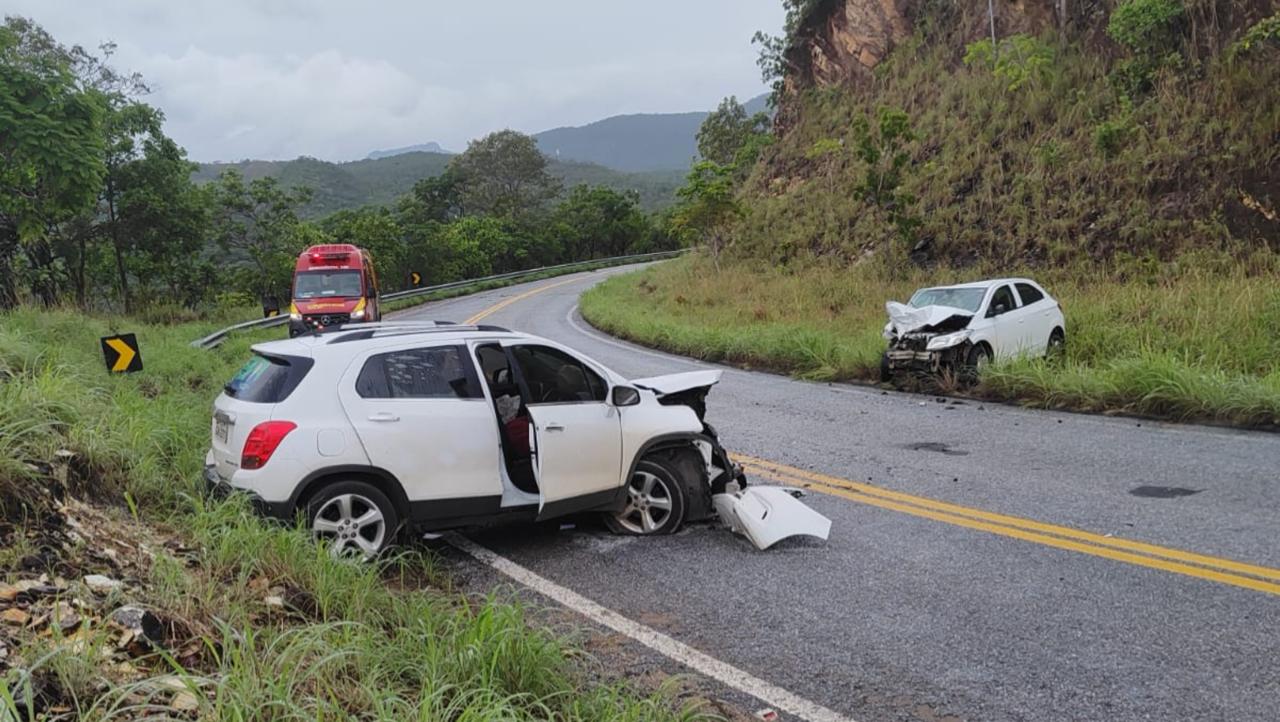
(364,431)
(964,327)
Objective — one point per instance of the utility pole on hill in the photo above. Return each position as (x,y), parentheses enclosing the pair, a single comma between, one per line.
(991,15)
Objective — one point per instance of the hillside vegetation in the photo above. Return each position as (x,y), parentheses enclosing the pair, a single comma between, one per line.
(1131,163)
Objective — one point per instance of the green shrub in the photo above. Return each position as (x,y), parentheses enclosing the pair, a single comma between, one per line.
(1146,27)
(1019,59)
(1109,136)
(1150,30)
(1265,32)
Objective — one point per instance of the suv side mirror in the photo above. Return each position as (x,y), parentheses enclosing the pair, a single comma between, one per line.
(998,309)
(625,396)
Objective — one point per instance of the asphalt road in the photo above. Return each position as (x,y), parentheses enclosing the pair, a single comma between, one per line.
(915,616)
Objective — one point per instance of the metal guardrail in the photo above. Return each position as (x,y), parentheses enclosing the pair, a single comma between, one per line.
(218,336)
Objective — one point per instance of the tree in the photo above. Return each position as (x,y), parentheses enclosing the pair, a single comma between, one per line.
(883,148)
(165,219)
(373,228)
(257,224)
(707,207)
(730,137)
(470,246)
(51,152)
(504,175)
(436,199)
(596,222)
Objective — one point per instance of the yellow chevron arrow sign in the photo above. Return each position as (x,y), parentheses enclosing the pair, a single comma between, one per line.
(121,353)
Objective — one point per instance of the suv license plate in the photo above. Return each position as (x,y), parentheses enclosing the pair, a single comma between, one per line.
(222,431)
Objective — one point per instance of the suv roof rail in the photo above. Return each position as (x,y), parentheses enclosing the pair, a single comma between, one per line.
(364,331)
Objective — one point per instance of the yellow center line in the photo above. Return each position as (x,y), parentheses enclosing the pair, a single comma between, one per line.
(1019,522)
(1215,573)
(503,304)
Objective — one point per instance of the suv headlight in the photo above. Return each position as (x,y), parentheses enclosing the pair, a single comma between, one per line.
(888,333)
(937,343)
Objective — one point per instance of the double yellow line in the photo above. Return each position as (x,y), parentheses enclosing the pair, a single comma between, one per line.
(1226,571)
(503,304)
(1151,556)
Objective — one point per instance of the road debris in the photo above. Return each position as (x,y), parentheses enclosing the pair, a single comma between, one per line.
(768,514)
(99,584)
(15,617)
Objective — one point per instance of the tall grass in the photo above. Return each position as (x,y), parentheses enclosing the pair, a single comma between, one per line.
(376,642)
(1201,345)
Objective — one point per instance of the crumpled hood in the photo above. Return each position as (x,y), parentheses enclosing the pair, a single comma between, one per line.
(906,319)
(675,383)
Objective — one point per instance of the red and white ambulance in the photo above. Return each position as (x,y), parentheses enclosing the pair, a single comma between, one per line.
(332,285)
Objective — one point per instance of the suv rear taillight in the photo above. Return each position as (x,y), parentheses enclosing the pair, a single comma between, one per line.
(262,443)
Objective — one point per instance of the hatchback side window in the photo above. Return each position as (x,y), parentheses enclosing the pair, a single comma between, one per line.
(440,372)
(1029,294)
(1001,302)
(555,377)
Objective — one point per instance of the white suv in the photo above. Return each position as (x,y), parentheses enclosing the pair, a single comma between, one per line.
(365,431)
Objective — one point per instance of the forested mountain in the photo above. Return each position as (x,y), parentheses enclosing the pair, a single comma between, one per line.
(432,147)
(380,181)
(633,143)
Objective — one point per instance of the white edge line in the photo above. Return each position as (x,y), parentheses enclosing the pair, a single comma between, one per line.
(597,336)
(722,672)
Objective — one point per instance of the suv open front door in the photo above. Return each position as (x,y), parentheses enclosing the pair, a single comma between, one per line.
(577,434)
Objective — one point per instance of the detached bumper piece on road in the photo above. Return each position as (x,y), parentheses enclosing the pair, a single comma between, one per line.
(768,514)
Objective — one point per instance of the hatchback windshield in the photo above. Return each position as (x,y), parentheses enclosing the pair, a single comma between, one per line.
(325,284)
(968,299)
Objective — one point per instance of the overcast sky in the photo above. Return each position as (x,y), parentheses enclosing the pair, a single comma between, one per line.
(282,78)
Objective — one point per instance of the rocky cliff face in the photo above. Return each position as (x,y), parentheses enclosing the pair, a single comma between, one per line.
(842,40)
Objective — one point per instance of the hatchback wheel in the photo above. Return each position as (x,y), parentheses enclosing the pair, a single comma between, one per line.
(655,501)
(1057,344)
(976,361)
(354,518)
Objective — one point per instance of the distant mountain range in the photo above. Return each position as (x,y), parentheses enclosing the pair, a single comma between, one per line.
(357,183)
(635,143)
(432,147)
(649,153)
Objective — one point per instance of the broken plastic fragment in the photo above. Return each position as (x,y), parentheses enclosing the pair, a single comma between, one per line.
(769,514)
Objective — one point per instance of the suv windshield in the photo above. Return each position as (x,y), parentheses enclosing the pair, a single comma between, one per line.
(967,298)
(325,284)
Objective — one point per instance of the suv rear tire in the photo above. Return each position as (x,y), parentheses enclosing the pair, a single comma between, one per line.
(355,517)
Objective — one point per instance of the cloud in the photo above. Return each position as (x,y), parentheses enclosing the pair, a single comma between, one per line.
(326,104)
(281,78)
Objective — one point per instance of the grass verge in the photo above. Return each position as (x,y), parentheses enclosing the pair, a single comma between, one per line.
(251,620)
(1200,343)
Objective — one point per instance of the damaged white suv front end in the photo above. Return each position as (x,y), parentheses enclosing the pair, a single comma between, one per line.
(764,515)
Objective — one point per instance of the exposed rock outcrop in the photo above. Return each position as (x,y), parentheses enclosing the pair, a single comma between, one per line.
(841,41)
